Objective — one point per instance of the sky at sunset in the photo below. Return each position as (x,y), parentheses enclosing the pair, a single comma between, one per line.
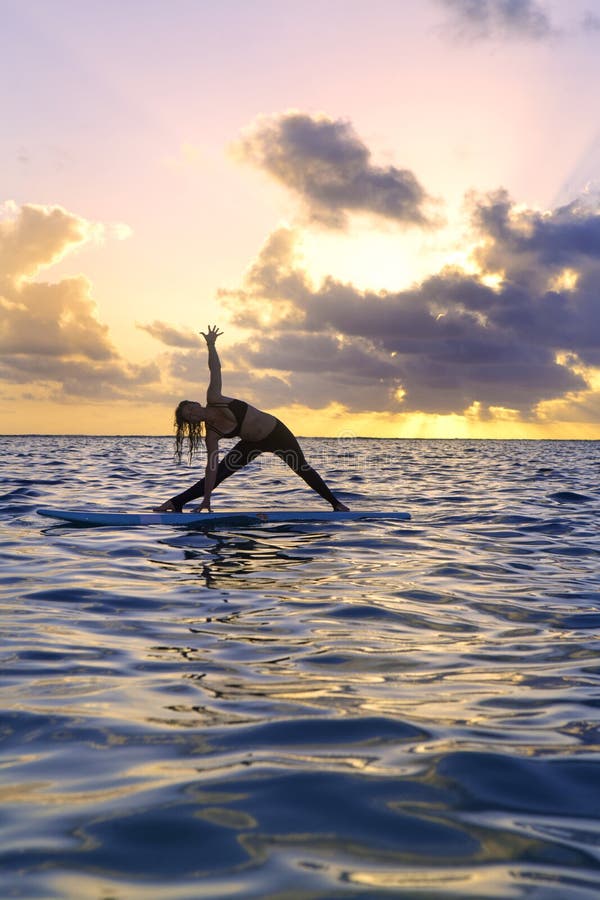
(391,208)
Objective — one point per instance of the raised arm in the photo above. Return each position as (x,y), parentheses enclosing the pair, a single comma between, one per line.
(214,363)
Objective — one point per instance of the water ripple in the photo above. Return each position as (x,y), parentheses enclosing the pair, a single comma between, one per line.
(332,710)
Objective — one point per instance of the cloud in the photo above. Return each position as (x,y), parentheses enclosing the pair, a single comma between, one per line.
(241,378)
(50,336)
(551,269)
(448,344)
(323,368)
(582,407)
(71,379)
(485,19)
(590,22)
(36,236)
(52,320)
(325,163)
(170,336)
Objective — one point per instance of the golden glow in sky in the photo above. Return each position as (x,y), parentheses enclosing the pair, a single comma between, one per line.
(393,216)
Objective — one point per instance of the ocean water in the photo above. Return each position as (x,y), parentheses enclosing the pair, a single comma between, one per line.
(331,710)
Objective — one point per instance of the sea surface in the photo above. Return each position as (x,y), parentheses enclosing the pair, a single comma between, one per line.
(327,710)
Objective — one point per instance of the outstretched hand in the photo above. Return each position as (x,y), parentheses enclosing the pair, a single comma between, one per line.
(211,335)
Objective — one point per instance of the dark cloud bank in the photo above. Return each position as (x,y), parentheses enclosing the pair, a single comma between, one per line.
(443,345)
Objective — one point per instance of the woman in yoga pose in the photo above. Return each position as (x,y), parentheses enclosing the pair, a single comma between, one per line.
(223,416)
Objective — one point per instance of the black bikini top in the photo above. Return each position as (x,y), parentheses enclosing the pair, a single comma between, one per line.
(239,409)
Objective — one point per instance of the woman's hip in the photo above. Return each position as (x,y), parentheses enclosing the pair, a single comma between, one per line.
(280,438)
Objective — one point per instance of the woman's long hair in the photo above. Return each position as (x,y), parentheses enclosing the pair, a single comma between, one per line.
(194,431)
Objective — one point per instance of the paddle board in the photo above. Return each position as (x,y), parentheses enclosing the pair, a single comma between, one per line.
(129,520)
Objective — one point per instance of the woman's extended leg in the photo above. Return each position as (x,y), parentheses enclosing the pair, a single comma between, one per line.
(238,457)
(285,445)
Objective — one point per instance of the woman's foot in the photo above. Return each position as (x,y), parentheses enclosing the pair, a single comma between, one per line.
(341,507)
(167,507)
